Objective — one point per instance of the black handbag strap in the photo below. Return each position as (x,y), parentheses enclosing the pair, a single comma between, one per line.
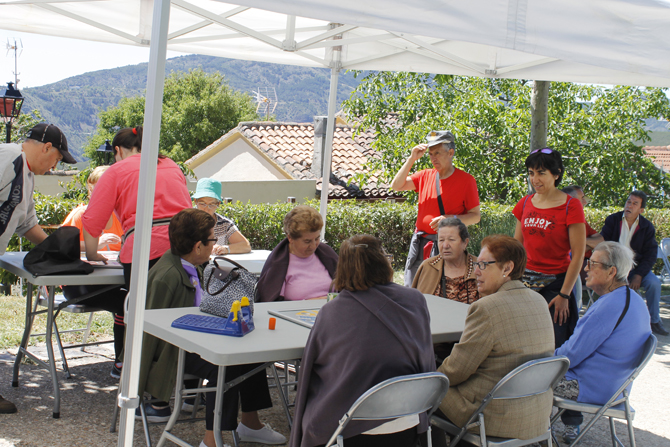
(625,309)
(439,193)
(234,274)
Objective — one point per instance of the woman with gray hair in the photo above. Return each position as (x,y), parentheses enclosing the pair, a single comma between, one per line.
(451,274)
(606,345)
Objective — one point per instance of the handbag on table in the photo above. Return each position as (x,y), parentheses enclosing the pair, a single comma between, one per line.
(223,283)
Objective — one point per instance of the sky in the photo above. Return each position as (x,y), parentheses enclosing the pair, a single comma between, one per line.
(45,59)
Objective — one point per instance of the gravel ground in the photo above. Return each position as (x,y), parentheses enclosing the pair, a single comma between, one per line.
(87,404)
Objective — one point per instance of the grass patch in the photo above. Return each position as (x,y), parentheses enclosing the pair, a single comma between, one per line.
(13,318)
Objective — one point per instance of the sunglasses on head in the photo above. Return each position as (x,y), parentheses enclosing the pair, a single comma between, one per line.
(546,150)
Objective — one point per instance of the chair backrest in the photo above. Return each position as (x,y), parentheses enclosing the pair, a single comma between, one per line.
(397,397)
(663,251)
(531,378)
(665,246)
(647,351)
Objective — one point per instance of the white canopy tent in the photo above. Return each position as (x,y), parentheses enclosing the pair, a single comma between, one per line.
(599,41)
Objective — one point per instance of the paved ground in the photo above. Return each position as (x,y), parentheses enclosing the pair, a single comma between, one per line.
(87,403)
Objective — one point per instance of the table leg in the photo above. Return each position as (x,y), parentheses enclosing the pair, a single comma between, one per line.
(218,407)
(50,351)
(181,361)
(26,335)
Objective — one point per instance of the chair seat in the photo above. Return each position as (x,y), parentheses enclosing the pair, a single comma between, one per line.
(472,438)
(590,408)
(493,441)
(77,308)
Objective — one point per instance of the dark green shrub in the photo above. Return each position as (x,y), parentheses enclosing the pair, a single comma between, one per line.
(393,223)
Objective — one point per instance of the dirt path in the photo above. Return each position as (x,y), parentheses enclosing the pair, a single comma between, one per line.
(87,403)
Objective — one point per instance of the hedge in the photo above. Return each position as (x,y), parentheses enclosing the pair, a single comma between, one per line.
(393,223)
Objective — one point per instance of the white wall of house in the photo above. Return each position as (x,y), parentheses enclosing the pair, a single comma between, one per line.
(49,184)
(238,162)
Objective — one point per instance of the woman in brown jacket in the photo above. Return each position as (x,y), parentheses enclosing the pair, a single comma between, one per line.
(451,274)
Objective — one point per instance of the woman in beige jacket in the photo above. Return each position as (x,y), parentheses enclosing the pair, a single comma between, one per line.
(507,327)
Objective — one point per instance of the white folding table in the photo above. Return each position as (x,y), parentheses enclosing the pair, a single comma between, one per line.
(263,345)
(252,261)
(13,262)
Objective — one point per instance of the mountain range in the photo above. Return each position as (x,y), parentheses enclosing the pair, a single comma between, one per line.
(73,104)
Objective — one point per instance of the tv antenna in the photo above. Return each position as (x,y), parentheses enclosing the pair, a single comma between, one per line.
(18,49)
(266,101)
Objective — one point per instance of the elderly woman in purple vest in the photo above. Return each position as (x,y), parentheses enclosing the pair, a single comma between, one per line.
(372,331)
(300,267)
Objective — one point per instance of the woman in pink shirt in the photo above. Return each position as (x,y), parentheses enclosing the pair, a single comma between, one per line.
(301,266)
(117,191)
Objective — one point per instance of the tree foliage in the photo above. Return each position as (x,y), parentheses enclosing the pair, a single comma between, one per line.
(22,124)
(593,127)
(198,108)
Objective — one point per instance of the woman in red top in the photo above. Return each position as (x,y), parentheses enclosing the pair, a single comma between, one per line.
(117,191)
(550,224)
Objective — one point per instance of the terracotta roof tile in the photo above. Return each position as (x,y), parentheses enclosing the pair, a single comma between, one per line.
(291,146)
(659,155)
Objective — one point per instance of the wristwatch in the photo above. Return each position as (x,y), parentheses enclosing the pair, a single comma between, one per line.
(563,295)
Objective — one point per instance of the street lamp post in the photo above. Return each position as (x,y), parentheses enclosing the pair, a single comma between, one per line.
(10,107)
(107,149)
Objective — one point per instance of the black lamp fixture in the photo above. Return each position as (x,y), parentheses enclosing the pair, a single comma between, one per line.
(107,148)
(10,107)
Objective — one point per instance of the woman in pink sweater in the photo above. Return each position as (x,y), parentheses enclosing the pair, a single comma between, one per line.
(117,192)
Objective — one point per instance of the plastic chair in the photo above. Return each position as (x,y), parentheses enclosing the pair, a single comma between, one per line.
(395,398)
(663,250)
(530,379)
(608,409)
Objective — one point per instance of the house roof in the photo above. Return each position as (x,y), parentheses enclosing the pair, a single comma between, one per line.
(660,155)
(291,147)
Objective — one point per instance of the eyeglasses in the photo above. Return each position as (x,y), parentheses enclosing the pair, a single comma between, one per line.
(211,206)
(589,262)
(389,257)
(207,241)
(546,150)
(483,264)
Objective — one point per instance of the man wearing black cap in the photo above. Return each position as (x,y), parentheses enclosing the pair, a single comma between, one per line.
(44,147)
(454,195)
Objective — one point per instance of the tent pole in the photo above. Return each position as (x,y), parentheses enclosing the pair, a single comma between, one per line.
(128,399)
(335,66)
(328,152)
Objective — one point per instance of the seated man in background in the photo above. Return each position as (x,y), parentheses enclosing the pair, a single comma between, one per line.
(632,230)
(607,342)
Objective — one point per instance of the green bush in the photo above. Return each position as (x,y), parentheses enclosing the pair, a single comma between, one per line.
(393,223)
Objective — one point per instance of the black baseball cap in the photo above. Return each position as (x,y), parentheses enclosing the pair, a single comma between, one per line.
(439,137)
(48,133)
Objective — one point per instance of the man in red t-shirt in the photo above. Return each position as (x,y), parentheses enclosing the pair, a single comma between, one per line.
(458,195)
